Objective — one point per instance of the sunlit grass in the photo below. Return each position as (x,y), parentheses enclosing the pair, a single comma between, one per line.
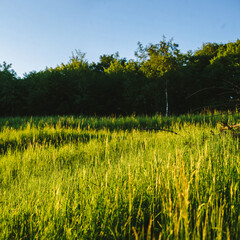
(110,178)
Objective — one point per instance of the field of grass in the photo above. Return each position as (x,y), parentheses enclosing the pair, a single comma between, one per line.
(118,178)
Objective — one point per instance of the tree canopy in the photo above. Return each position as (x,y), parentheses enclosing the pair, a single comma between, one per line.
(160,79)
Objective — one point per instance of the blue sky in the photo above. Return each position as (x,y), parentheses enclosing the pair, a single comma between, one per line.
(36,34)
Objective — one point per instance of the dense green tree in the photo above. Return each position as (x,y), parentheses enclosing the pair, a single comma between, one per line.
(224,71)
(130,83)
(104,62)
(8,89)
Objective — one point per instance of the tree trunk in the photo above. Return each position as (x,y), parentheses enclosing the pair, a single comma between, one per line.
(166,93)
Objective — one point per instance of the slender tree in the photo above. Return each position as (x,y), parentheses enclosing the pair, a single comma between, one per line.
(157,60)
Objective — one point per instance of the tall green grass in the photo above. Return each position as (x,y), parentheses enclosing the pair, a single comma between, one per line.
(110,178)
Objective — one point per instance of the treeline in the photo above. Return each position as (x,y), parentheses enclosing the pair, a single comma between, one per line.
(160,80)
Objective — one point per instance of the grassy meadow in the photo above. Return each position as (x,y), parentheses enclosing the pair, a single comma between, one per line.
(119,178)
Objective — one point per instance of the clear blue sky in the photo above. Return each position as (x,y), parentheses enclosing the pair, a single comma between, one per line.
(36,34)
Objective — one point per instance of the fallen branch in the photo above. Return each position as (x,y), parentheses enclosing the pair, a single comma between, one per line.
(230,127)
(161,129)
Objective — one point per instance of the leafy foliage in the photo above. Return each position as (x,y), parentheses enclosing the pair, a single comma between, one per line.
(160,78)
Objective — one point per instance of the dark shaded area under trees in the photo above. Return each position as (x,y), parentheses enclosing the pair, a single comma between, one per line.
(160,80)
